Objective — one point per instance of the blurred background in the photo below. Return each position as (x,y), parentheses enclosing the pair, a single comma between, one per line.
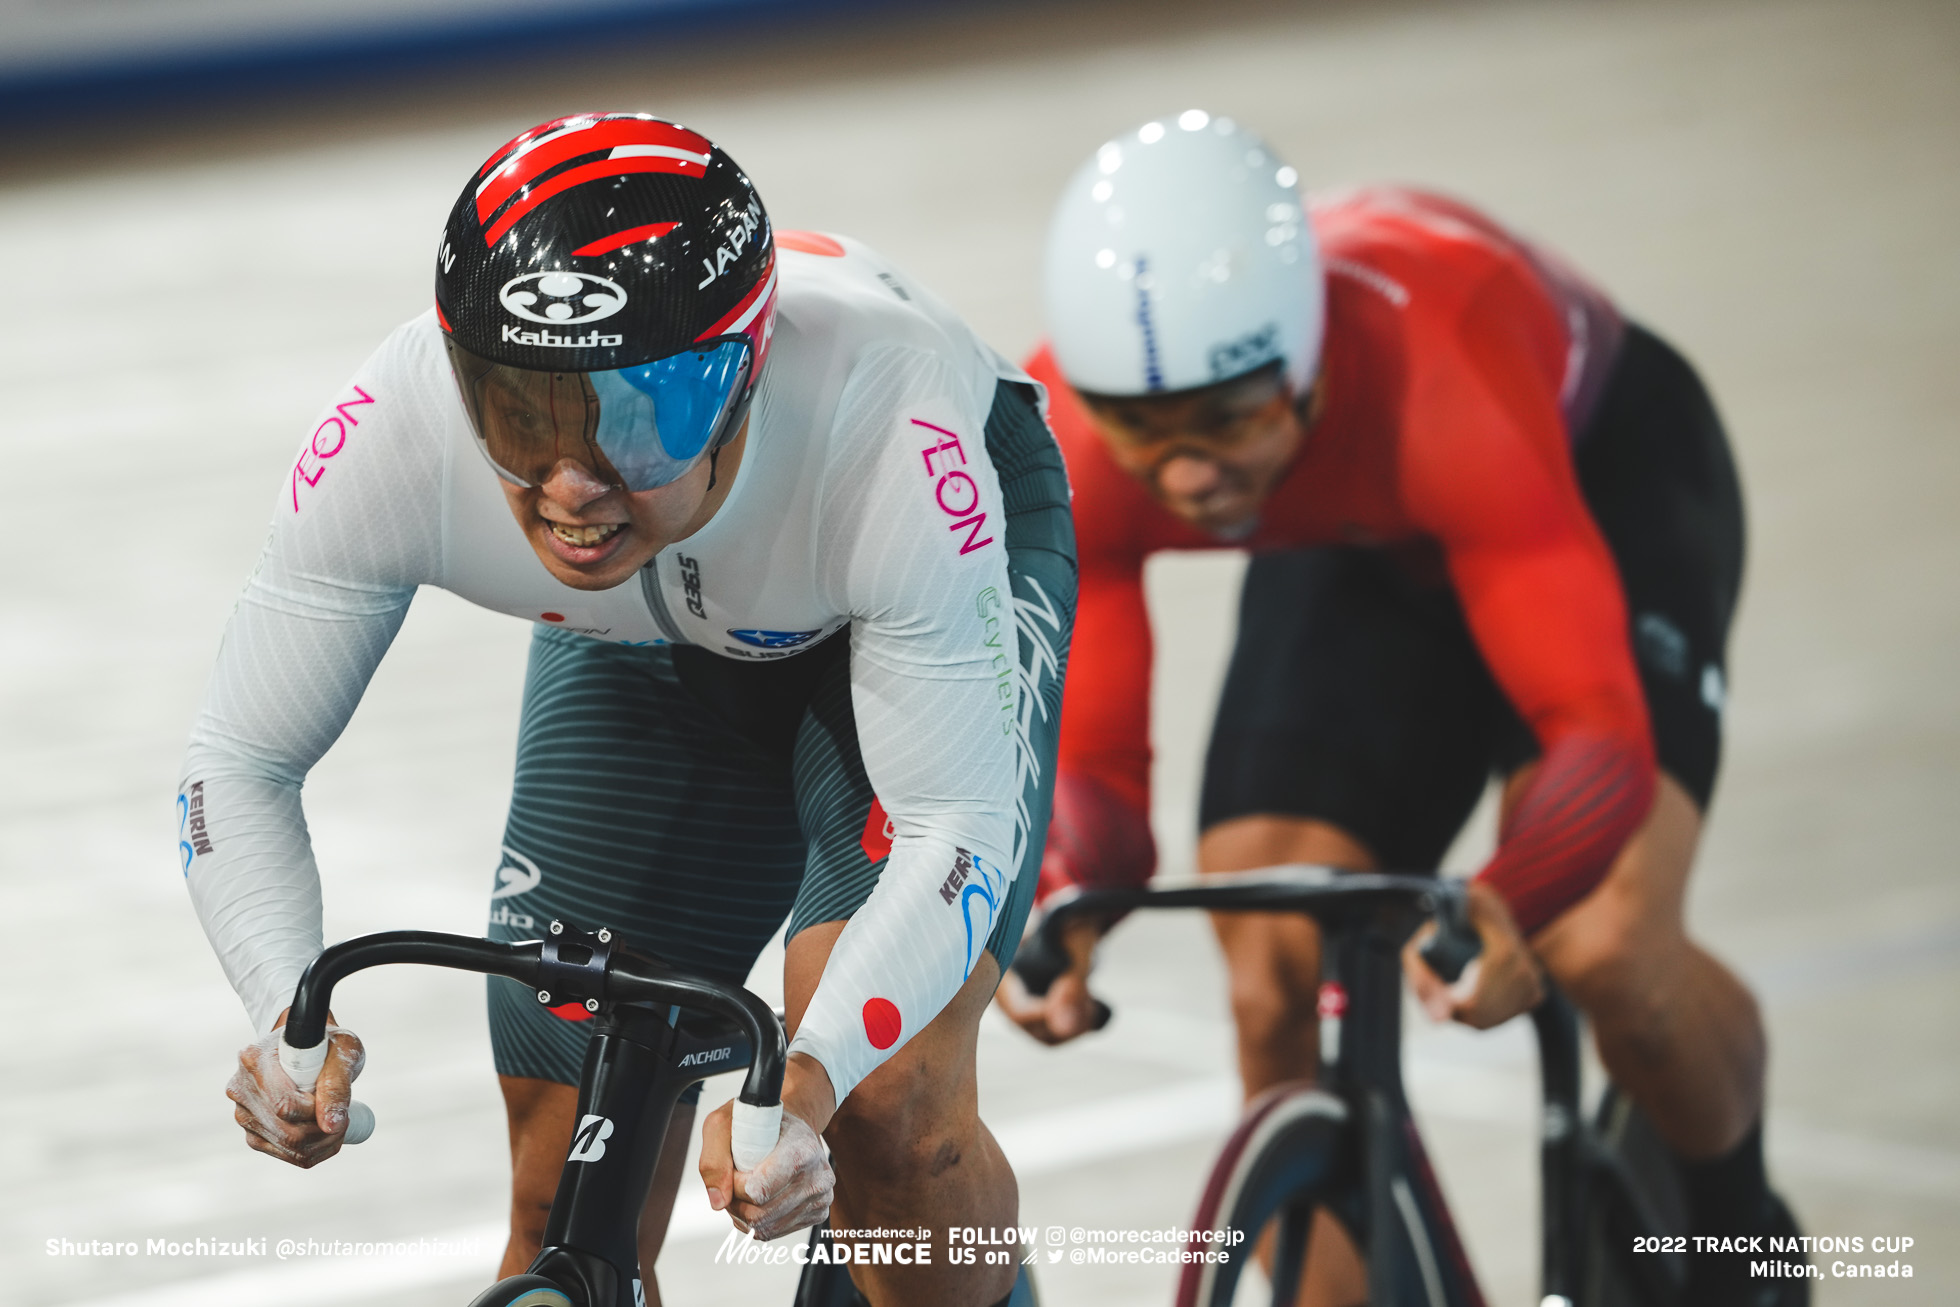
(217,209)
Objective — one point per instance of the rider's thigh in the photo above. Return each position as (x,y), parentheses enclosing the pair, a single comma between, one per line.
(542,1114)
(1266,840)
(1621,939)
(661,1191)
(1273,959)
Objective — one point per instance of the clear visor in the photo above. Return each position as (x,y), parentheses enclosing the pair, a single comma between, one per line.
(637,428)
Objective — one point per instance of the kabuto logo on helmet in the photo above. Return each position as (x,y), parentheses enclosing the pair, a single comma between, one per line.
(562,298)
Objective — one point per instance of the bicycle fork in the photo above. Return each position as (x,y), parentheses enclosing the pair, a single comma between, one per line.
(1561,1151)
(1414,1253)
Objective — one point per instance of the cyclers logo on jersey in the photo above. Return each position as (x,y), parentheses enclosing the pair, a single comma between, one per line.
(978,886)
(515,874)
(776,639)
(589,1140)
(562,299)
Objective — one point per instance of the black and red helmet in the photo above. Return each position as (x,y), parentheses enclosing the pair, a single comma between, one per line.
(600,241)
(606,288)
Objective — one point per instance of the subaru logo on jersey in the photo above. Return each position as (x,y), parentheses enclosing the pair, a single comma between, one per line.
(562,298)
(776,639)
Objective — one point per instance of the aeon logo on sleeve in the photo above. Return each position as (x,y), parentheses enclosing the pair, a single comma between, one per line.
(955,491)
(776,639)
(562,298)
(328,439)
(515,874)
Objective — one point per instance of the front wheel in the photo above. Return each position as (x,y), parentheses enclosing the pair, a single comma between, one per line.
(523,1291)
(1636,1191)
(1280,1163)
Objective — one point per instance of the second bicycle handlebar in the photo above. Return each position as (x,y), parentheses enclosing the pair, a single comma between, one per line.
(1317,891)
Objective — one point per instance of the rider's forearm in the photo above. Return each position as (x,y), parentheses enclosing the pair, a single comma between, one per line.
(906,952)
(807,1092)
(1588,796)
(252,880)
(295,660)
(1097,838)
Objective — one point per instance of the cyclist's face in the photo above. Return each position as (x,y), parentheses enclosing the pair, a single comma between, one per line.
(589,533)
(1212,456)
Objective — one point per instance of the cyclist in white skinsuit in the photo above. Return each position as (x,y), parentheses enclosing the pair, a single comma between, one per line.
(860,495)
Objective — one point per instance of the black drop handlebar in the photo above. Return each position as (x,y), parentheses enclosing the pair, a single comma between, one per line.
(1321,892)
(624,977)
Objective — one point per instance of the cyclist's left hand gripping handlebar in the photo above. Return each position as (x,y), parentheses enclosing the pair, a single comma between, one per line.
(1455,942)
(303,1065)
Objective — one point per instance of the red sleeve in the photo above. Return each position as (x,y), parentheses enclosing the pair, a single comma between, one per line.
(1105,743)
(1106,699)
(1487,470)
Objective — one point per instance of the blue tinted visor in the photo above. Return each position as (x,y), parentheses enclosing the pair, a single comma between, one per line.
(637,428)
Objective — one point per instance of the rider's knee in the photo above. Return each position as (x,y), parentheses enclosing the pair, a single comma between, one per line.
(1613,969)
(1602,964)
(896,1125)
(1268,1004)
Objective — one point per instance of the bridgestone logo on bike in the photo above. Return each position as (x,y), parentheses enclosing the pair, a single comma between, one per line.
(589,1140)
(710,1055)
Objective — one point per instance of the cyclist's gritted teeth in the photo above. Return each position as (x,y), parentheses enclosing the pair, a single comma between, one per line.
(586,537)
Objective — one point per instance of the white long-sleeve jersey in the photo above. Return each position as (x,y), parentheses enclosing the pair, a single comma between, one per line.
(865,497)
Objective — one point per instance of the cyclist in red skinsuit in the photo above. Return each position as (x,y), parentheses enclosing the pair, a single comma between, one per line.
(1495,530)
(1440,433)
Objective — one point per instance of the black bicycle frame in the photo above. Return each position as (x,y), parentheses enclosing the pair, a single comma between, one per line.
(656,1031)
(1414,1253)
(1400,1216)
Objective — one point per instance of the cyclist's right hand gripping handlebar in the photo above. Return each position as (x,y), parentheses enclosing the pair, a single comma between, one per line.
(303,1065)
(1044,956)
(753,1133)
(1455,942)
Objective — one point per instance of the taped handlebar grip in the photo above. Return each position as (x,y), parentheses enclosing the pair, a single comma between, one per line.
(753,1133)
(303,1066)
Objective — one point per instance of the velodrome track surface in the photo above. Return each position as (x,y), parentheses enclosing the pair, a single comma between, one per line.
(1775,187)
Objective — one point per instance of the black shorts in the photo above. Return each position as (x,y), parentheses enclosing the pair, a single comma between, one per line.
(1357,696)
(692,802)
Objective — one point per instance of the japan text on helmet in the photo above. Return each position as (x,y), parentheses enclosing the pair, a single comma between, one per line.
(1180,256)
(606,287)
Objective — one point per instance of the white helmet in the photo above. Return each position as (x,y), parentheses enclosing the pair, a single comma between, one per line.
(1179,256)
